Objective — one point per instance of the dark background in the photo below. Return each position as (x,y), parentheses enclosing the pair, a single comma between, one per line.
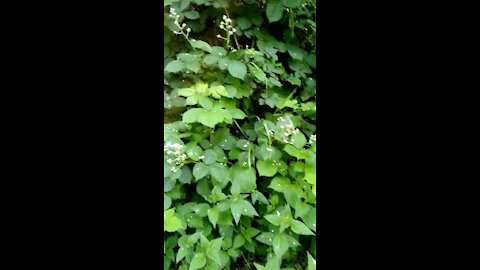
(86,138)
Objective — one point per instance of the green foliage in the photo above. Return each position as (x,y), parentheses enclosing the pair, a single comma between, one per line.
(240,143)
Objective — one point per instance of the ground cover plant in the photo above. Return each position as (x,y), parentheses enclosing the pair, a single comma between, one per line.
(240,134)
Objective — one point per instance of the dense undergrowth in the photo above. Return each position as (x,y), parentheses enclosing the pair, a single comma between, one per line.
(240,143)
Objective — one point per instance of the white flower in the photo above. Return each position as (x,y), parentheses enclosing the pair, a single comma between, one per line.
(224,17)
(219,36)
(188,30)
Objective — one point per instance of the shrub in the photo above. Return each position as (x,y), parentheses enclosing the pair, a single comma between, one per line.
(240,143)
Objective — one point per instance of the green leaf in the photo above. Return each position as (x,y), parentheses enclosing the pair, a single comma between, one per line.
(275,219)
(218,91)
(202,45)
(170,222)
(211,59)
(191,115)
(193,66)
(280,244)
(242,207)
(259,267)
(213,250)
(243,178)
(238,241)
(237,69)
(210,156)
(266,168)
(299,140)
(186,92)
(181,253)
(220,173)
(295,52)
(292,3)
(167,202)
(200,170)
(175,66)
(198,261)
(280,184)
(274,10)
(186,176)
(192,15)
(299,228)
(243,22)
(237,113)
(201,209)
(258,73)
(213,216)
(223,63)
(205,102)
(312,263)
(219,51)
(266,238)
(210,118)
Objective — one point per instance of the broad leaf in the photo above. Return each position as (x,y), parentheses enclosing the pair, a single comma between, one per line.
(237,69)
(198,261)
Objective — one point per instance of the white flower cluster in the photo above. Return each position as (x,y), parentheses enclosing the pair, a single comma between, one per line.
(227,26)
(174,151)
(313,139)
(173,14)
(288,129)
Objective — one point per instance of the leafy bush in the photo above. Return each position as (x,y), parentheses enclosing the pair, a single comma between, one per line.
(239,146)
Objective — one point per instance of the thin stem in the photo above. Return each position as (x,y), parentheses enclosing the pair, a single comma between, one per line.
(234,37)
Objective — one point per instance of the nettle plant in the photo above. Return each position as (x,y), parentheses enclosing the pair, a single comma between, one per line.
(240,143)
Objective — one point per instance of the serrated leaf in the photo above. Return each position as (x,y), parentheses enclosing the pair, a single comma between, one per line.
(274,10)
(198,261)
(200,170)
(237,69)
(266,168)
(202,45)
(175,66)
(299,228)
